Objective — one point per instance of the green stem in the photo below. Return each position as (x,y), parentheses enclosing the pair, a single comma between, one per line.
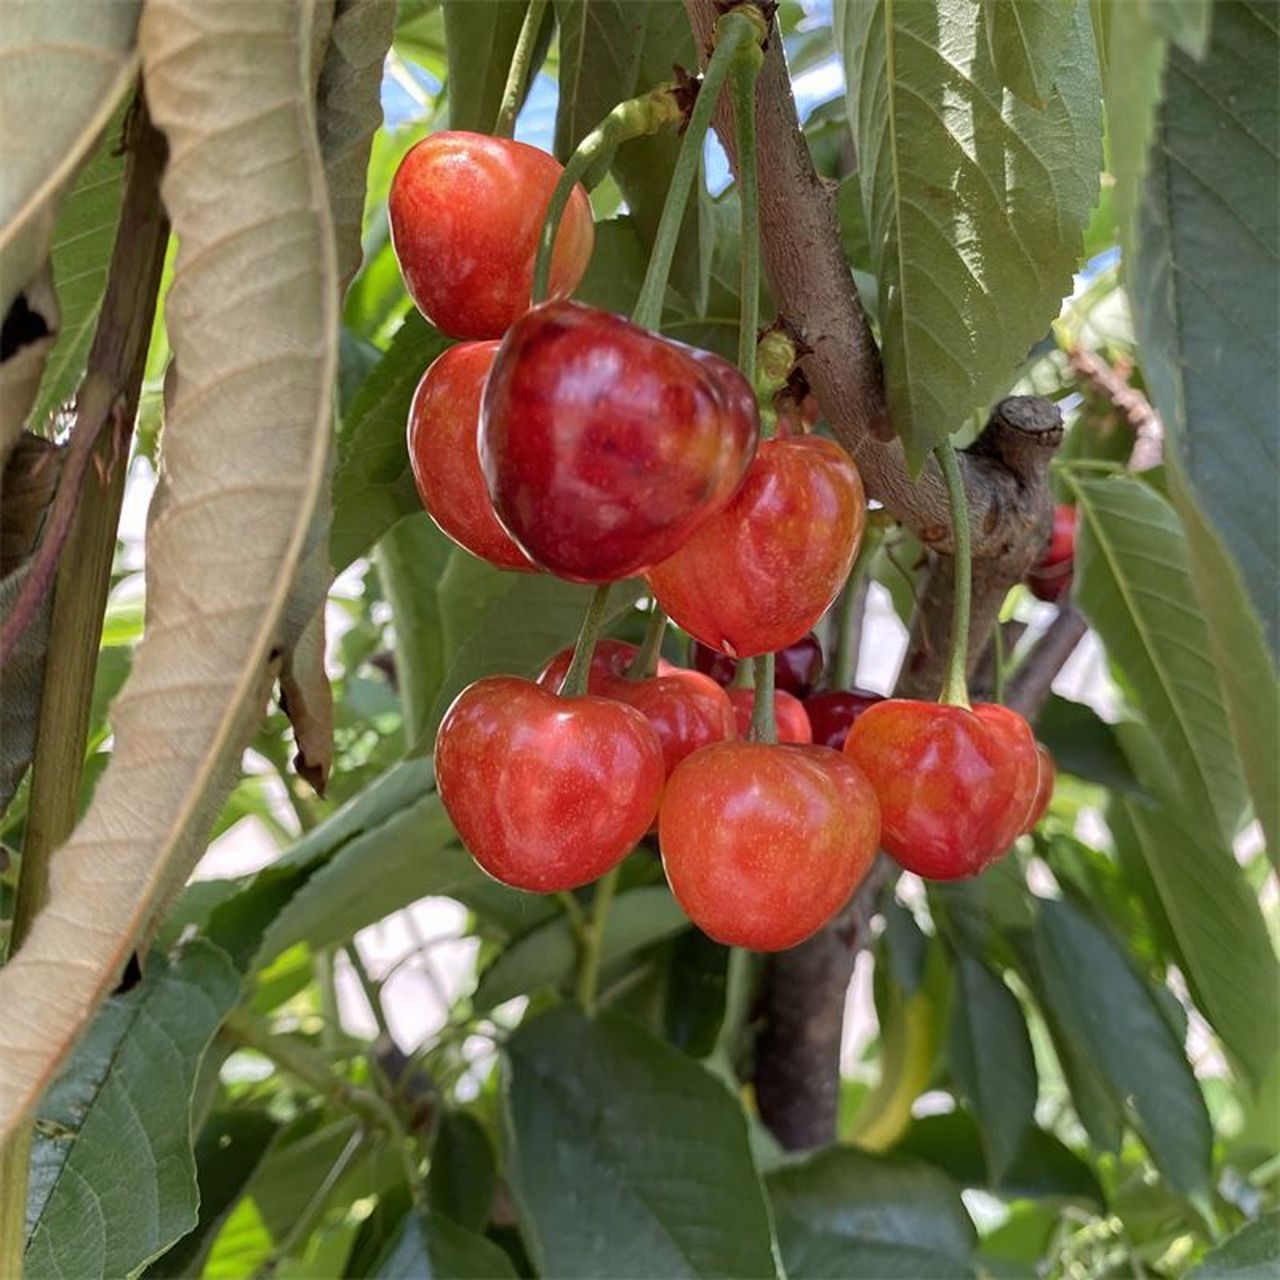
(576,678)
(732,31)
(997,663)
(645,663)
(593,938)
(955,690)
(763,727)
(512,94)
(844,662)
(746,67)
(370,989)
(300,1060)
(577,921)
(744,675)
(634,118)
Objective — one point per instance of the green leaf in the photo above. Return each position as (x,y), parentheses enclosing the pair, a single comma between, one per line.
(123,1103)
(527,619)
(228,1151)
(1043,1168)
(975,201)
(548,956)
(845,1214)
(1133,84)
(611,50)
(697,993)
(1253,1253)
(479,42)
(1224,949)
(992,1060)
(1111,1015)
(372,484)
(626,1158)
(1202,285)
(1249,685)
(1185,22)
(462,1177)
(1134,585)
(411,559)
(435,1247)
(1084,744)
(617,267)
(1026,38)
(81,252)
(413,854)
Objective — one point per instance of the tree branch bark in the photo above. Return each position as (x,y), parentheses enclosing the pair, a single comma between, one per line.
(1006,478)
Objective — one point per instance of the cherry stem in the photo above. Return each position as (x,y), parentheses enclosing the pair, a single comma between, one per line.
(744,676)
(576,678)
(527,42)
(635,118)
(645,663)
(844,662)
(593,939)
(997,663)
(955,691)
(746,67)
(732,31)
(763,727)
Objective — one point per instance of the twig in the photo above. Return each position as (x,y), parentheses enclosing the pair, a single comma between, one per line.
(1031,683)
(1111,383)
(372,991)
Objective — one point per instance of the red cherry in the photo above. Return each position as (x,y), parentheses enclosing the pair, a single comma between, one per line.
(466,212)
(797,668)
(831,715)
(788,714)
(756,577)
(686,709)
(610,661)
(604,446)
(1050,577)
(954,786)
(1044,789)
(547,793)
(763,844)
(443,420)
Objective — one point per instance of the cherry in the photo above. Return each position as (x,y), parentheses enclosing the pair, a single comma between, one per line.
(1050,577)
(686,709)
(788,713)
(955,786)
(797,668)
(757,576)
(610,661)
(547,793)
(466,212)
(831,715)
(605,446)
(1044,788)
(763,844)
(443,420)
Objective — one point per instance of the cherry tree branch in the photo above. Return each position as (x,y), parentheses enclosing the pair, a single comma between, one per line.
(1006,479)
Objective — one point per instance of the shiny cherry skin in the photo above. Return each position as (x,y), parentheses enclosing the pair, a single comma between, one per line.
(1044,788)
(788,714)
(443,420)
(605,446)
(610,661)
(547,793)
(796,669)
(831,715)
(686,709)
(1050,577)
(955,786)
(466,212)
(756,577)
(763,844)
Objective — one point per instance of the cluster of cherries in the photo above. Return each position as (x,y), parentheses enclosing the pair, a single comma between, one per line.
(565,439)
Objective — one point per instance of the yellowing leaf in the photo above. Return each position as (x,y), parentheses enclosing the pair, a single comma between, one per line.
(252,319)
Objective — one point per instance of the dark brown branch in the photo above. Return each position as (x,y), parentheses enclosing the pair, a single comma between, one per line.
(1032,682)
